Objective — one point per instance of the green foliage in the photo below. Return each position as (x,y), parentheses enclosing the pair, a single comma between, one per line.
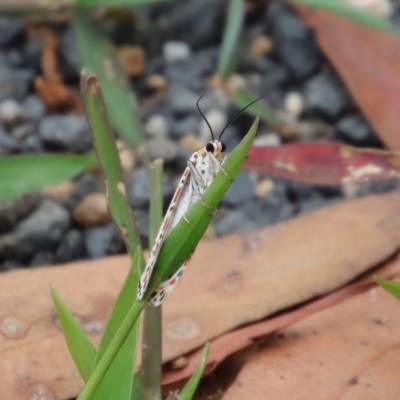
(27,173)
(390,286)
(97,55)
(233,28)
(79,345)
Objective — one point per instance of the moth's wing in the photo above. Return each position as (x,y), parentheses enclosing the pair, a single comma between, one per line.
(163,232)
(164,289)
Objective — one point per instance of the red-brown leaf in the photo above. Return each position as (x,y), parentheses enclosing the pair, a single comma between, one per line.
(324,163)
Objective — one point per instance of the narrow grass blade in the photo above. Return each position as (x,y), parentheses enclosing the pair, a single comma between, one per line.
(183,239)
(243,97)
(180,244)
(79,345)
(152,327)
(118,381)
(353,13)
(390,286)
(191,386)
(98,56)
(27,173)
(233,27)
(107,153)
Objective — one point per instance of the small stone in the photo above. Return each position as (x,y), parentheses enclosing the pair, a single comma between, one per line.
(192,143)
(14,83)
(9,265)
(185,126)
(85,185)
(72,247)
(267,139)
(241,191)
(199,22)
(174,50)
(182,100)
(8,143)
(261,46)
(234,221)
(43,229)
(103,240)
(92,210)
(66,132)
(59,191)
(138,186)
(132,59)
(33,144)
(162,148)
(70,64)
(326,96)
(34,107)
(22,132)
(13,210)
(127,156)
(42,259)
(355,130)
(157,126)
(10,29)
(294,104)
(264,187)
(11,113)
(294,41)
(156,82)
(217,120)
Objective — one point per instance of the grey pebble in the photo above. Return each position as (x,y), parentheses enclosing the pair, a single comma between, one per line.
(66,132)
(72,247)
(34,107)
(8,143)
(13,210)
(294,41)
(156,126)
(163,148)
(183,126)
(14,83)
(10,29)
(355,130)
(326,96)
(174,50)
(70,64)
(33,144)
(43,229)
(182,100)
(241,191)
(11,113)
(42,259)
(103,240)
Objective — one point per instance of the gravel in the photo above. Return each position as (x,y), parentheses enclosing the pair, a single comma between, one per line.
(182,47)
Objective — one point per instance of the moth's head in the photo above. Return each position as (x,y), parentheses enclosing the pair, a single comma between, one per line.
(216,148)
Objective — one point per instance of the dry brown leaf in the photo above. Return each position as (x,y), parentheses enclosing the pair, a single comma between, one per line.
(231,281)
(349,352)
(368,61)
(50,86)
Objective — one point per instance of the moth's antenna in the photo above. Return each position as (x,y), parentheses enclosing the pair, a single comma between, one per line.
(240,113)
(205,119)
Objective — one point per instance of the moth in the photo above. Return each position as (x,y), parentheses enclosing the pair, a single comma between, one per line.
(203,166)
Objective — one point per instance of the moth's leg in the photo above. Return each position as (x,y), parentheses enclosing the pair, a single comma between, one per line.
(198,184)
(218,165)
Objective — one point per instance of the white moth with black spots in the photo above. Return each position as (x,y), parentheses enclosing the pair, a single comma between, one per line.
(203,166)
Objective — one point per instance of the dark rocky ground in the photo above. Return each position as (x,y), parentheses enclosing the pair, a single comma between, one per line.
(181,46)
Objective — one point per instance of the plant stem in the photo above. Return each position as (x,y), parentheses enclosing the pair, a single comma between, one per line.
(152,324)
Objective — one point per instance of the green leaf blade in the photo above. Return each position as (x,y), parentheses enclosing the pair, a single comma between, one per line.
(31,172)
(107,153)
(191,386)
(98,56)
(79,345)
(390,286)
